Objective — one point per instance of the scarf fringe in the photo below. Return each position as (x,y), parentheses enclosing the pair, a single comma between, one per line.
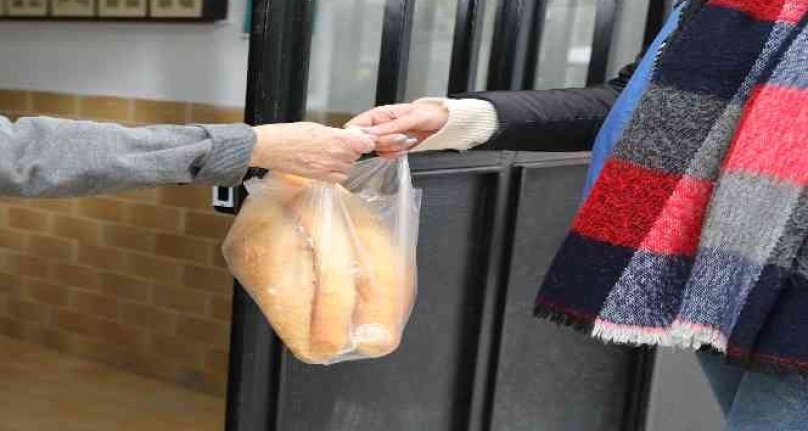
(695,336)
(681,334)
(563,318)
(631,335)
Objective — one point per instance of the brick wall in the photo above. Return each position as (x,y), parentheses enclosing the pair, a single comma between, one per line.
(134,280)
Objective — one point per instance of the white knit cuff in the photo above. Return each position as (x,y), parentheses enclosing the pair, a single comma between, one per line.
(471,122)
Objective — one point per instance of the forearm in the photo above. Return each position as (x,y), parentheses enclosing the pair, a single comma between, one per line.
(53,157)
(530,120)
(547,120)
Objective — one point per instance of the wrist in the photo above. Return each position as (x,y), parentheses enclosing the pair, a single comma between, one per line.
(262,155)
(469,122)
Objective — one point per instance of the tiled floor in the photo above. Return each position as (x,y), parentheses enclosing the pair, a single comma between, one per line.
(44,390)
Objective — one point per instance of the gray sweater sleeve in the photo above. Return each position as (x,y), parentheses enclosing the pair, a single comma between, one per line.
(44,156)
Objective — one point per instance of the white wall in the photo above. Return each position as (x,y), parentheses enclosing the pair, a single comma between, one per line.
(204,63)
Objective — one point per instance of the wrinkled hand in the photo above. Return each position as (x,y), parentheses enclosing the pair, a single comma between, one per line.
(309,150)
(401,127)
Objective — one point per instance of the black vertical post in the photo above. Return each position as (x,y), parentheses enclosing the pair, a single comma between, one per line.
(497,247)
(605,20)
(514,48)
(639,389)
(653,21)
(466,45)
(277,77)
(395,51)
(533,44)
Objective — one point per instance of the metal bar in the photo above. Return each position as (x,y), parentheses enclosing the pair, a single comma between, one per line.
(657,9)
(504,44)
(602,41)
(477,170)
(466,45)
(395,51)
(639,389)
(498,248)
(280,42)
(535,31)
(517,29)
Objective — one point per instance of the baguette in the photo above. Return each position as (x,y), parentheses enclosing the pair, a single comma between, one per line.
(385,287)
(269,256)
(336,272)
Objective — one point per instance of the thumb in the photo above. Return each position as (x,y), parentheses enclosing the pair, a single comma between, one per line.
(359,141)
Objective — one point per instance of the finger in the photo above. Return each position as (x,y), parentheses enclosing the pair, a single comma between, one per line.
(379,115)
(400,125)
(398,142)
(364,119)
(357,141)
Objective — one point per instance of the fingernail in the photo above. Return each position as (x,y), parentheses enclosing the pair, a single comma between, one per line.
(401,139)
(410,142)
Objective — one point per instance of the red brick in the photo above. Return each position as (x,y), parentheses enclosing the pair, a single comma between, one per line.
(108,330)
(207,225)
(28,311)
(142,195)
(85,231)
(186,196)
(101,351)
(11,328)
(57,104)
(46,292)
(10,285)
(19,264)
(217,258)
(56,248)
(148,317)
(153,268)
(12,239)
(51,338)
(28,219)
(133,238)
(94,304)
(210,331)
(208,279)
(102,257)
(74,275)
(63,206)
(154,217)
(182,247)
(121,286)
(185,300)
(101,209)
(220,308)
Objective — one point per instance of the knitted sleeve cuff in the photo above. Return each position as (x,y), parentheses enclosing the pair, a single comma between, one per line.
(230,156)
(471,122)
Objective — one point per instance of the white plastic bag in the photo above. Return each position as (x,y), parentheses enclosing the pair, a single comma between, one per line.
(332,267)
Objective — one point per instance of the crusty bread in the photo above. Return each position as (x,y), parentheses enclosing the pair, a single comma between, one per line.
(385,288)
(336,273)
(323,269)
(271,258)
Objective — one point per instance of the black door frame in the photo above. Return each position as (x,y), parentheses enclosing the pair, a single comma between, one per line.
(280,42)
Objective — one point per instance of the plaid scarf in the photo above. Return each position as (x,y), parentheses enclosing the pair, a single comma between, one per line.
(696,232)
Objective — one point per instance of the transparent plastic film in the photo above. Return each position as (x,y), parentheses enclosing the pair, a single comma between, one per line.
(332,267)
